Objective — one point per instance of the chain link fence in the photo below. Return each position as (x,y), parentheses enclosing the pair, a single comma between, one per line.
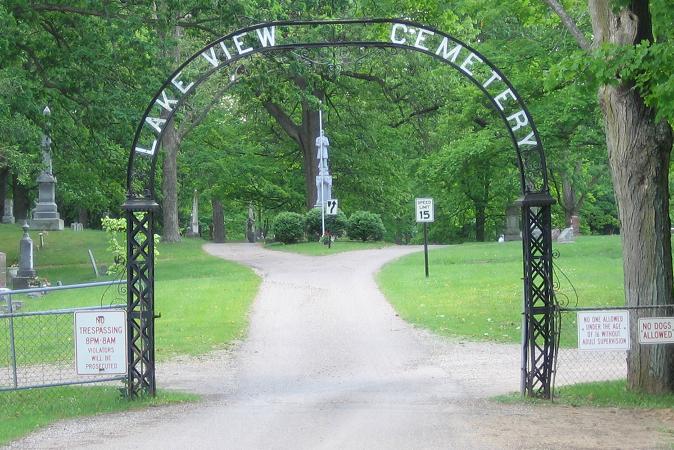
(597,350)
(37,348)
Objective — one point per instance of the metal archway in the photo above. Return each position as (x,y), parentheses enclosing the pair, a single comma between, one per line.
(538,346)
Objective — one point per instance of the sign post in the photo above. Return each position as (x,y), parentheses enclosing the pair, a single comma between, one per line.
(425,214)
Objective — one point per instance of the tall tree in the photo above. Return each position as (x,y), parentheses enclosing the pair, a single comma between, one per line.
(639,146)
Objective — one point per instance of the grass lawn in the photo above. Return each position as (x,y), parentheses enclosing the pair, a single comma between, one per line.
(203,300)
(22,412)
(601,394)
(475,290)
(318,249)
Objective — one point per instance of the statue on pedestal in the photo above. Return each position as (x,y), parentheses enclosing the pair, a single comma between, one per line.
(45,213)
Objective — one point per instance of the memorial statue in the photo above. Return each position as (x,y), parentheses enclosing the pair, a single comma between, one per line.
(323,179)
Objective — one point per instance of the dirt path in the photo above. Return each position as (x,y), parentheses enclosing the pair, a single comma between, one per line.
(328,364)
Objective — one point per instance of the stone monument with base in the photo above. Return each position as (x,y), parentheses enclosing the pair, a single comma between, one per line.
(45,214)
(513,219)
(8,215)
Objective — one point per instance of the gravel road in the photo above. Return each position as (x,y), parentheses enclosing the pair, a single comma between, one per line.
(327,364)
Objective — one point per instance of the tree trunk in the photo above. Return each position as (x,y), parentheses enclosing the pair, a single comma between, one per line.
(480,219)
(639,152)
(309,131)
(169,185)
(83,217)
(218,221)
(569,199)
(305,135)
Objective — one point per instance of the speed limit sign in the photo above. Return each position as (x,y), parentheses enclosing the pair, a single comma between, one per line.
(424,210)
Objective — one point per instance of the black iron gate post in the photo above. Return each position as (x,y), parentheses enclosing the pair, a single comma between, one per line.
(539,334)
(140,295)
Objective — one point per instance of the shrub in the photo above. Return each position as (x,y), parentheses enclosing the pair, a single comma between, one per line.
(334,225)
(288,227)
(365,225)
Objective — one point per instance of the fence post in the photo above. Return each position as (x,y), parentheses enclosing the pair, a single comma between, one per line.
(12,349)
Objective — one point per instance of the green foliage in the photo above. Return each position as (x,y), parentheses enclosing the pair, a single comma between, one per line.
(365,225)
(334,225)
(288,227)
(114,229)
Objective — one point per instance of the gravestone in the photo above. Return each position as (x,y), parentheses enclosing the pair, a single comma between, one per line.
(555,233)
(76,226)
(3,270)
(26,273)
(566,236)
(575,224)
(8,214)
(513,219)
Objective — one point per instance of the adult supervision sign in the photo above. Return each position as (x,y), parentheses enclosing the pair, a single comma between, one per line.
(604,330)
(100,342)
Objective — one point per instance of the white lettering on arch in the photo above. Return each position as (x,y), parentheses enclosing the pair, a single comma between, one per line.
(394,29)
(240,46)
(267,36)
(180,85)
(155,123)
(209,55)
(447,54)
(421,37)
(146,151)
(469,61)
(520,119)
(503,96)
(165,102)
(529,140)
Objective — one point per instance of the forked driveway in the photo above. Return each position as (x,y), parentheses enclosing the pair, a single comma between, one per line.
(327,363)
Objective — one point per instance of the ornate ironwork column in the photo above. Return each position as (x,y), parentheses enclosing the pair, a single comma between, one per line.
(539,344)
(140,295)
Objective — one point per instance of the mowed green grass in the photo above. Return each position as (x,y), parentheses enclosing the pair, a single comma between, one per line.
(319,249)
(24,411)
(203,300)
(475,290)
(612,394)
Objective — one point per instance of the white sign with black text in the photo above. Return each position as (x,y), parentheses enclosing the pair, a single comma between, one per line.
(656,330)
(604,330)
(424,210)
(100,342)
(331,207)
